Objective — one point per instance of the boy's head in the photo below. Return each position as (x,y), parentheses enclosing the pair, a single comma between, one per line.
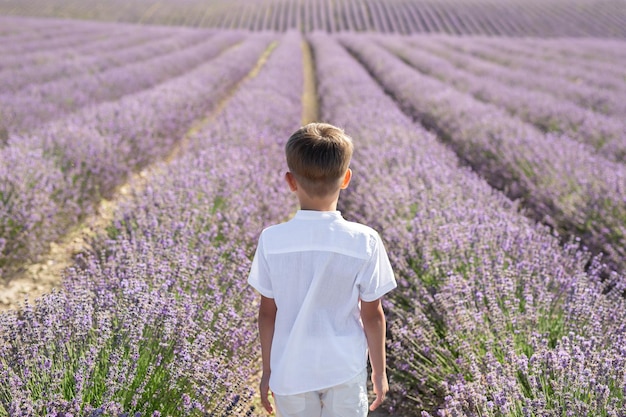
(318,156)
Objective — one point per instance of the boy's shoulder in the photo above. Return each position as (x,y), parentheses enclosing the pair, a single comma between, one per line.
(360,228)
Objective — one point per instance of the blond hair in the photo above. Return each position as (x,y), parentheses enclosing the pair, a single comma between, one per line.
(318,156)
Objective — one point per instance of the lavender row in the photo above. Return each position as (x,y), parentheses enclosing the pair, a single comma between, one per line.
(115,38)
(602,101)
(43,32)
(24,24)
(38,35)
(604,134)
(527,55)
(555,56)
(31,26)
(73,36)
(559,181)
(36,104)
(492,314)
(172,285)
(110,53)
(28,28)
(588,53)
(45,56)
(601,49)
(53,177)
(48,35)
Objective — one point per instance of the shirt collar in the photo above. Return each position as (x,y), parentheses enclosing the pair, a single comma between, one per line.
(317,215)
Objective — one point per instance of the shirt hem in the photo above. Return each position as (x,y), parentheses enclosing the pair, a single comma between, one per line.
(321,387)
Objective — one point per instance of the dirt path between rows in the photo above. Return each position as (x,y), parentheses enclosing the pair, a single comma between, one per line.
(37,279)
(310,105)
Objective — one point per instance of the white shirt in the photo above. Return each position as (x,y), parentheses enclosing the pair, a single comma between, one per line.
(316,267)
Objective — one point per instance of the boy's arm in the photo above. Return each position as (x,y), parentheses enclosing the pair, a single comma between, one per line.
(374,324)
(267,319)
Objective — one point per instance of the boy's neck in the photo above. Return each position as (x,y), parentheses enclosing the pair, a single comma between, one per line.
(318,204)
(325,203)
(319,208)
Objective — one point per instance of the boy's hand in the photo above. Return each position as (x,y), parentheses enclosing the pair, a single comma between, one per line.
(265,388)
(381,387)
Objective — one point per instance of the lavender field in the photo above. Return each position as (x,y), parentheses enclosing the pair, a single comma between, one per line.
(493,165)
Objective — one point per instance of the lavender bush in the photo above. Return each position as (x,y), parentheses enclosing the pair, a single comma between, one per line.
(492,316)
(102,348)
(159,319)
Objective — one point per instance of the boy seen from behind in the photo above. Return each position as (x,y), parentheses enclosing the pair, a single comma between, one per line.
(321,279)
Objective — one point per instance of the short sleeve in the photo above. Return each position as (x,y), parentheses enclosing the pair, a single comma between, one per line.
(259,277)
(376,277)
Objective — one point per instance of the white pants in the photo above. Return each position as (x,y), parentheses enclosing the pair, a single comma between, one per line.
(345,400)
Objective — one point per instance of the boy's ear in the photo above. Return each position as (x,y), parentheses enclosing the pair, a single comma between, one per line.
(291,181)
(346,179)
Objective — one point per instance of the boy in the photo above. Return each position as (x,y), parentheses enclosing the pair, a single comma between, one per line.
(321,279)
